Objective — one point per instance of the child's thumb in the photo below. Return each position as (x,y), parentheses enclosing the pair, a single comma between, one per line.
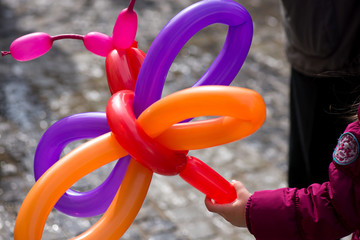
(210,204)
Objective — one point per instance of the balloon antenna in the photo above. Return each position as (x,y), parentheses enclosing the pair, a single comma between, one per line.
(67,36)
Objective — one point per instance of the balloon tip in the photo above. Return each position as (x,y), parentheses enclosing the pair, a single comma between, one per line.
(4,53)
(131,5)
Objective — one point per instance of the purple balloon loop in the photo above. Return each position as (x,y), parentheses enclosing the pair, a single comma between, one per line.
(178,31)
(48,152)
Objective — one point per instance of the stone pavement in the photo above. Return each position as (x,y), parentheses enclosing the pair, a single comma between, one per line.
(69,80)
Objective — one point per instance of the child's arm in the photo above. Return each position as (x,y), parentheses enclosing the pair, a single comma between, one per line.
(291,213)
(322,211)
(233,212)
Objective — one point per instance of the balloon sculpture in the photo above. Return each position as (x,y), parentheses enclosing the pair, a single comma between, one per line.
(145,132)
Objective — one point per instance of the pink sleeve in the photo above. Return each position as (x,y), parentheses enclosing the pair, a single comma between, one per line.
(327,211)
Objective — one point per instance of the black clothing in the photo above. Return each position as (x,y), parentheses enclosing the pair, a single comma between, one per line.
(323,36)
(323,48)
(318,113)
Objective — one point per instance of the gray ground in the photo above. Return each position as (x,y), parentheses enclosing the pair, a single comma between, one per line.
(69,80)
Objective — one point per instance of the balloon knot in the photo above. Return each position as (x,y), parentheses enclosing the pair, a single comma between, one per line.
(4,53)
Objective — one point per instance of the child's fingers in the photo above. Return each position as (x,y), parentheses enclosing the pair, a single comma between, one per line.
(240,189)
(237,185)
(209,204)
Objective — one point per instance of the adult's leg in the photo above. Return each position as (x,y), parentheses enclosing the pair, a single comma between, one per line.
(302,107)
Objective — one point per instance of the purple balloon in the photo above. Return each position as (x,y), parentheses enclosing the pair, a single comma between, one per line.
(51,145)
(178,31)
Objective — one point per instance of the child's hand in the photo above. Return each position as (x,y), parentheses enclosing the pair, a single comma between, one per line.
(233,212)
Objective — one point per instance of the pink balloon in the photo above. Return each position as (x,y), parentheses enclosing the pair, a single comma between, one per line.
(31,46)
(98,43)
(124,31)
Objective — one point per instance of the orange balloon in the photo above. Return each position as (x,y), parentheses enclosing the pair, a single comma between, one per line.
(240,106)
(60,177)
(125,206)
(244,112)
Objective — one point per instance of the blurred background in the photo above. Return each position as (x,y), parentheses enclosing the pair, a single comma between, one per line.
(69,80)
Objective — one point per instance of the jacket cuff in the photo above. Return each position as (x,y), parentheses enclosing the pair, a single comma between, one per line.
(270,214)
(247,213)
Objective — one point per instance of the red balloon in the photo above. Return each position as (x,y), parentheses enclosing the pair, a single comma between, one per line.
(122,68)
(136,142)
(208,181)
(136,58)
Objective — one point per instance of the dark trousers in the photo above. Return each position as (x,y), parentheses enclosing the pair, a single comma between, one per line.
(319,111)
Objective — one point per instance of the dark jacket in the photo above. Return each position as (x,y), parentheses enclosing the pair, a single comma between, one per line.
(321,211)
(323,36)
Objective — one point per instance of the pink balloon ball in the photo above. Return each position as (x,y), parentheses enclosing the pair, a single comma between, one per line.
(98,43)
(31,46)
(125,28)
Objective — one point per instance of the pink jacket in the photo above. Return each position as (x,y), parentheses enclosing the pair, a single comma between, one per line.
(321,211)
